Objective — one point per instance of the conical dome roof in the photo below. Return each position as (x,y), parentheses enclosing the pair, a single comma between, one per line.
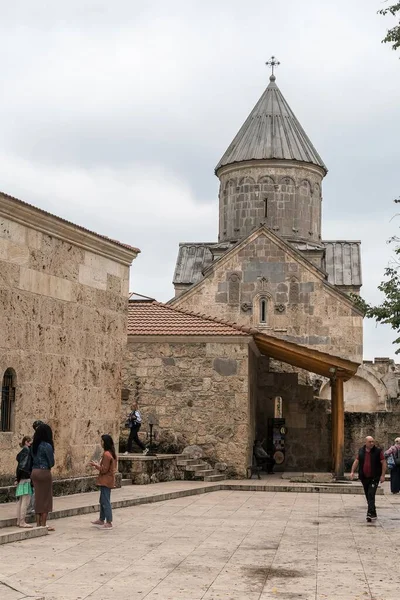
(271,131)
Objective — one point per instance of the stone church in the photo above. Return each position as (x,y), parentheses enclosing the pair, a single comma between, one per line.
(273,277)
(271,274)
(270,267)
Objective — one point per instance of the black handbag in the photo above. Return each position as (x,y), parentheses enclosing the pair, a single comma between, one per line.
(26,461)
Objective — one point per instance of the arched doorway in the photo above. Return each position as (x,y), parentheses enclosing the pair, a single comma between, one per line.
(7,401)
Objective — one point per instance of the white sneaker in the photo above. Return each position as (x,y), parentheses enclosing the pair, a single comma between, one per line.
(145,451)
(126,453)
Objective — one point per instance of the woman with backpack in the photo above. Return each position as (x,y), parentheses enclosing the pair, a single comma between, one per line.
(393,456)
(23,492)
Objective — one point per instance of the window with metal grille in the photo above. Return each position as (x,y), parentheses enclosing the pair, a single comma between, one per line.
(7,400)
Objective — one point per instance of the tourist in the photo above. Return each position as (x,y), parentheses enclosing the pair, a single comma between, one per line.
(43,462)
(371,465)
(23,492)
(31,507)
(394,451)
(134,422)
(106,481)
(262,457)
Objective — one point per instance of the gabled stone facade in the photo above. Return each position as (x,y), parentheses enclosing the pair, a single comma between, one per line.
(299,304)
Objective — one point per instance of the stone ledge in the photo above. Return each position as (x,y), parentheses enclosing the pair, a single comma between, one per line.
(146,457)
(19,534)
(62,487)
(334,488)
(93,508)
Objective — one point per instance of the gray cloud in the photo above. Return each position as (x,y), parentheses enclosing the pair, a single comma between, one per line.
(114,115)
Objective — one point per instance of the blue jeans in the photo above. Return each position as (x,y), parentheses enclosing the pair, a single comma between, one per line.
(105,504)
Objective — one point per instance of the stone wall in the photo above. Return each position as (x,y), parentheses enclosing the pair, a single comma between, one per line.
(383,426)
(142,470)
(63,316)
(198,389)
(300,306)
(307,440)
(285,196)
(372,389)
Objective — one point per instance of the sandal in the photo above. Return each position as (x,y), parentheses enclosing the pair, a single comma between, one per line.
(98,522)
(26,526)
(50,528)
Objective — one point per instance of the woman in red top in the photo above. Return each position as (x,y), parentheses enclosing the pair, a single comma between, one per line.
(106,481)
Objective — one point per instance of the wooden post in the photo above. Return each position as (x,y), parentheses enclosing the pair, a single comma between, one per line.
(339,428)
(333,420)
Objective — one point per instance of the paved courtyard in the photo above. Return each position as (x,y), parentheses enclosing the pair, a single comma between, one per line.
(226,545)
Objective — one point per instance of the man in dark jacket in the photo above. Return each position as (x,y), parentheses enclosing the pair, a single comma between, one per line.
(371,465)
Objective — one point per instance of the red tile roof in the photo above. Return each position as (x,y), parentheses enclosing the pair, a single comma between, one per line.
(45,212)
(155,318)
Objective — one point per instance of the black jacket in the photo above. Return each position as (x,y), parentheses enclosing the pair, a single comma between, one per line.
(376,465)
(24,468)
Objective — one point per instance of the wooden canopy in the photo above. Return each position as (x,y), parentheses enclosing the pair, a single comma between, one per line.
(315,361)
(337,369)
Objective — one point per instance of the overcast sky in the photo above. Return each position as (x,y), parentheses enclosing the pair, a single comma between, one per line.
(114,115)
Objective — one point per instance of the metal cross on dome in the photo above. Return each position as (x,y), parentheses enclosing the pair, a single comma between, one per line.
(272,63)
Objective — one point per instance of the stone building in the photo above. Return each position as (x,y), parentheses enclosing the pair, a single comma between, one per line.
(208,382)
(63,314)
(271,269)
(271,272)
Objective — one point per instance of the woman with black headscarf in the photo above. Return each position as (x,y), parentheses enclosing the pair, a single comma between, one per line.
(43,462)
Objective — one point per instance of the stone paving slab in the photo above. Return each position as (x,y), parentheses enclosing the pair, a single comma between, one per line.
(12,592)
(231,544)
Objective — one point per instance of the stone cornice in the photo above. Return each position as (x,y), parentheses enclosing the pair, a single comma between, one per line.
(40,220)
(278,163)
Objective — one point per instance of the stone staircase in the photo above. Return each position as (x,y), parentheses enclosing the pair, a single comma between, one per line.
(196,468)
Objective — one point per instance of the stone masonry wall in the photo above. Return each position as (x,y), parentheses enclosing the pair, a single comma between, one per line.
(197,390)
(383,426)
(307,441)
(286,198)
(301,306)
(63,316)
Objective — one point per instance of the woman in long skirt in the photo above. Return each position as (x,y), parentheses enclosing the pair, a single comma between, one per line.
(43,462)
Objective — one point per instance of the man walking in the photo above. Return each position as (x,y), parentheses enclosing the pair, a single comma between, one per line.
(135,423)
(371,465)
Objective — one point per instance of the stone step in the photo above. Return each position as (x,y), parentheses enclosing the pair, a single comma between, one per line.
(182,462)
(126,482)
(205,473)
(196,467)
(218,477)
(17,534)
